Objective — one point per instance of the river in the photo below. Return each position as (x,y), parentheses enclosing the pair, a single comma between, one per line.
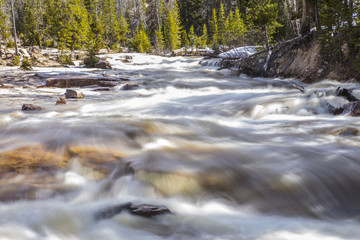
(232,157)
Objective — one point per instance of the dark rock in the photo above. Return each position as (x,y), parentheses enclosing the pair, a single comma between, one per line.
(103,65)
(101,89)
(130,86)
(61,101)
(71,82)
(347,93)
(30,107)
(352,109)
(146,210)
(70,93)
(107,83)
(143,210)
(349,132)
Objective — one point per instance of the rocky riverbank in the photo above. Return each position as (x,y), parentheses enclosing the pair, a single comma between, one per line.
(303,58)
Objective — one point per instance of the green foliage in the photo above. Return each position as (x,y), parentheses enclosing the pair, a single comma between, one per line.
(141,41)
(26,64)
(65,59)
(4,28)
(221,24)
(214,29)
(92,57)
(204,37)
(264,16)
(160,42)
(173,29)
(15,61)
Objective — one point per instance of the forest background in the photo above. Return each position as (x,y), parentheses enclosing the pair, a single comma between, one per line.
(160,26)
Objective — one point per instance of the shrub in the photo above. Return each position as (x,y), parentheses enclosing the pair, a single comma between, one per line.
(26,64)
(15,61)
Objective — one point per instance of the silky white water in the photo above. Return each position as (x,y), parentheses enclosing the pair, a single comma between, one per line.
(232,157)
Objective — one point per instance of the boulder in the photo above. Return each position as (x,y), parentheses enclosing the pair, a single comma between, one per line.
(70,93)
(30,107)
(103,64)
(61,100)
(129,86)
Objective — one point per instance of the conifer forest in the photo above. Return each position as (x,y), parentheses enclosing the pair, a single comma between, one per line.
(165,25)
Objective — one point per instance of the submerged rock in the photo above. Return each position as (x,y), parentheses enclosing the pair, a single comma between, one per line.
(129,86)
(30,158)
(70,93)
(30,107)
(61,101)
(143,210)
(147,210)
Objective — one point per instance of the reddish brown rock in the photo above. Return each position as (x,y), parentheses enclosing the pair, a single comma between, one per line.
(30,107)
(103,65)
(70,93)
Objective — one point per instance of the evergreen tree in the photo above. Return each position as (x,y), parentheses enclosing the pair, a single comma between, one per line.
(54,20)
(159,41)
(221,24)
(238,27)
(214,29)
(76,28)
(264,16)
(141,41)
(173,33)
(192,37)
(31,26)
(204,37)
(4,28)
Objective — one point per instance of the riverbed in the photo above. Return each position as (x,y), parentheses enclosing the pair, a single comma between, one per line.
(232,157)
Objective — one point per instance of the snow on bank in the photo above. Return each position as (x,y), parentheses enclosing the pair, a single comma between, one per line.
(239,52)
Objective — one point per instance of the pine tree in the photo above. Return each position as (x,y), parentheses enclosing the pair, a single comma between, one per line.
(4,28)
(159,41)
(192,36)
(221,24)
(54,20)
(141,41)
(238,27)
(264,16)
(76,28)
(29,27)
(214,29)
(204,37)
(173,33)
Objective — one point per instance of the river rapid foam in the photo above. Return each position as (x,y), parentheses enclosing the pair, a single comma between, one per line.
(232,157)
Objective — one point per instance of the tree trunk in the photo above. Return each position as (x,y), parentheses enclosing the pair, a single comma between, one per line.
(14,25)
(305,27)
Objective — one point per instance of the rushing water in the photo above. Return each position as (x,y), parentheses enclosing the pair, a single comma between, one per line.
(232,157)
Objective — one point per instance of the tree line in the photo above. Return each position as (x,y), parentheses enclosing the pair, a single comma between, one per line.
(166,25)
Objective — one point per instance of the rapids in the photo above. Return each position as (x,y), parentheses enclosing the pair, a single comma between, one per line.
(232,157)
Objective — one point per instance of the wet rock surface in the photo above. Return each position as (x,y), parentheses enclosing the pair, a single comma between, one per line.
(143,210)
(70,93)
(30,107)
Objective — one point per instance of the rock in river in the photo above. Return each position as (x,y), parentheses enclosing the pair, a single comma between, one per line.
(61,101)
(70,93)
(103,65)
(30,107)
